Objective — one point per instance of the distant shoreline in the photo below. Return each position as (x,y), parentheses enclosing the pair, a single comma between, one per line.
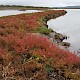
(23,8)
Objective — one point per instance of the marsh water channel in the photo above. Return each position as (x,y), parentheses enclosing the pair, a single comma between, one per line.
(15,12)
(68,24)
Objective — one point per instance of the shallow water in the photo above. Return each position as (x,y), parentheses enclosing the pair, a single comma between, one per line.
(14,12)
(69,25)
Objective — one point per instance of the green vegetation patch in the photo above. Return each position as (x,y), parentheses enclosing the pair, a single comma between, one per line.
(43,30)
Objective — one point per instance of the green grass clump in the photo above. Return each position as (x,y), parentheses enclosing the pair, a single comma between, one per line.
(43,30)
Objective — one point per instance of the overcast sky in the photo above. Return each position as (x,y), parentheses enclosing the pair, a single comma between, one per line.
(47,3)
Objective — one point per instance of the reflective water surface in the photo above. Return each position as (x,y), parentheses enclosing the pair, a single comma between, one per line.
(69,25)
(14,12)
